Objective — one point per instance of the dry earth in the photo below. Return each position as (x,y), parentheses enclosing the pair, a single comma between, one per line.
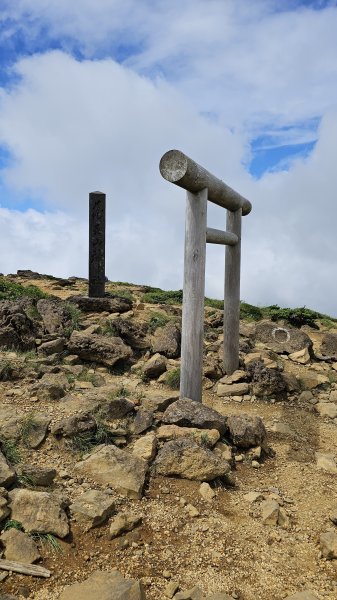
(225,547)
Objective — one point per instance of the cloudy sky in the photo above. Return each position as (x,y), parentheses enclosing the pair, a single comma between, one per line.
(93,92)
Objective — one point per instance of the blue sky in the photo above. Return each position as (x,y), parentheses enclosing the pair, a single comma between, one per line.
(92,93)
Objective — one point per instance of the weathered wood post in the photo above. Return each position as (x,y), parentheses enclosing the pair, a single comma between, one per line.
(201,186)
(96,244)
(231,320)
(194,294)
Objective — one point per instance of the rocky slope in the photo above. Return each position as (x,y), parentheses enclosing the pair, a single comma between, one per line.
(121,490)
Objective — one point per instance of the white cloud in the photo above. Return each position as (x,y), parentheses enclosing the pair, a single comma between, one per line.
(250,63)
(74,127)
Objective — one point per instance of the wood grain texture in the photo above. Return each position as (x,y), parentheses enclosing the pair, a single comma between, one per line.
(193,296)
(181,170)
(225,238)
(232,295)
(25,569)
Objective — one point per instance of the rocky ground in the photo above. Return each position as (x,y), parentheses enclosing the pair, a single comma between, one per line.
(120,490)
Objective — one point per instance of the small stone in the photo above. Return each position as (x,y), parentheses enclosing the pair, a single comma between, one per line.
(192,510)
(301,357)
(306,595)
(333,517)
(167,574)
(122,523)
(305,396)
(206,492)
(327,409)
(92,508)
(328,545)
(194,593)
(171,589)
(145,448)
(326,462)
(253,497)
(235,389)
(255,464)
(270,512)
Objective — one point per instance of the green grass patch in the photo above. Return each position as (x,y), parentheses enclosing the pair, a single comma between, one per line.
(11,451)
(120,392)
(48,539)
(13,291)
(73,316)
(212,303)
(122,293)
(157,320)
(108,329)
(249,312)
(6,369)
(158,296)
(294,316)
(86,441)
(13,524)
(86,376)
(28,426)
(172,378)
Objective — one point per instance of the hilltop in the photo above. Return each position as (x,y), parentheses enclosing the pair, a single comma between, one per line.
(103,467)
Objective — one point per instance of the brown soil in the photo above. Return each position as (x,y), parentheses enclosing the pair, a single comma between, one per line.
(226,548)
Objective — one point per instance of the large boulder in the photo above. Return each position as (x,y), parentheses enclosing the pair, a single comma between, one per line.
(155,366)
(282,340)
(7,473)
(19,547)
(246,431)
(108,465)
(55,315)
(105,586)
(329,345)
(38,511)
(185,458)
(166,340)
(265,381)
(52,347)
(4,509)
(52,386)
(17,330)
(10,422)
(188,413)
(92,508)
(79,424)
(159,403)
(98,348)
(206,437)
(111,303)
(132,333)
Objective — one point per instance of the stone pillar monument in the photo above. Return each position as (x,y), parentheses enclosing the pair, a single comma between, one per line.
(96,245)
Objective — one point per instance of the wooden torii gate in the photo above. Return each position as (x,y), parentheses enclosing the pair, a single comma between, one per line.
(201,186)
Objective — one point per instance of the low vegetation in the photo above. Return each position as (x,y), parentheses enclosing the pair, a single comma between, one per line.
(73,315)
(11,451)
(294,316)
(157,320)
(86,441)
(158,296)
(12,291)
(172,379)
